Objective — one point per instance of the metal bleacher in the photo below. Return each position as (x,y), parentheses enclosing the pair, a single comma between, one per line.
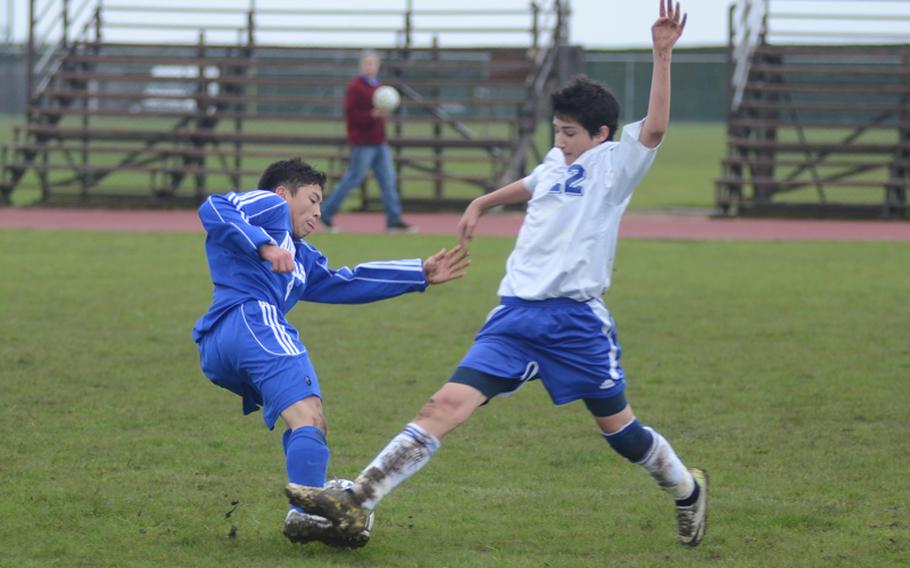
(819,109)
(114,117)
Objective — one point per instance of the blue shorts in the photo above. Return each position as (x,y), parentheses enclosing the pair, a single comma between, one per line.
(255,353)
(570,346)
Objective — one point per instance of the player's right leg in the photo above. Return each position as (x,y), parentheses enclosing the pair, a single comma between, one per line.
(402,457)
(495,365)
(358,166)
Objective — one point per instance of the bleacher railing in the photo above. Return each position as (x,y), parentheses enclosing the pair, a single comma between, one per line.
(748,25)
(53,26)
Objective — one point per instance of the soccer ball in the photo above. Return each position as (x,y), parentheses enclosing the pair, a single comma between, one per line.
(386,98)
(363,537)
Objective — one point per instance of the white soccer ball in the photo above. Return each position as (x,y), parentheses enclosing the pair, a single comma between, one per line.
(363,537)
(386,98)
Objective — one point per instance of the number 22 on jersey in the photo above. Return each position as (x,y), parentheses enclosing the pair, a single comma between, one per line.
(572,186)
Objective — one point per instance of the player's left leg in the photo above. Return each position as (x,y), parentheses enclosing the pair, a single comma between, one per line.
(587,366)
(644,446)
(279,369)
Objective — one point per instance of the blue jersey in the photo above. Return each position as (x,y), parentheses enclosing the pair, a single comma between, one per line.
(237,224)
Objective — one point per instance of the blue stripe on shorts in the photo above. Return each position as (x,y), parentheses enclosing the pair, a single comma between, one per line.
(255,353)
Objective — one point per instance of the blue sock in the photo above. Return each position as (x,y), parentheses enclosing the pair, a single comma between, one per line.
(691,499)
(306,456)
(631,441)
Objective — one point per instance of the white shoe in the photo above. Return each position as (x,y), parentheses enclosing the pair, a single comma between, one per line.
(692,520)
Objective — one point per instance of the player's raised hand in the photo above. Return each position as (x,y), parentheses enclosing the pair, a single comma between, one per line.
(446,265)
(468,223)
(669,26)
(280,259)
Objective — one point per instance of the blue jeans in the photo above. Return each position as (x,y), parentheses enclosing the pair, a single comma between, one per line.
(363,158)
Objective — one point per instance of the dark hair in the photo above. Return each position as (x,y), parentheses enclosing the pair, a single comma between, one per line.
(587,102)
(292,174)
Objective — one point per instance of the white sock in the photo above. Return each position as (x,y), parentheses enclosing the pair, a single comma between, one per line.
(400,459)
(666,468)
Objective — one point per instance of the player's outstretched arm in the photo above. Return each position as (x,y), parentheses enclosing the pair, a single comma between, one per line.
(664,34)
(446,265)
(515,192)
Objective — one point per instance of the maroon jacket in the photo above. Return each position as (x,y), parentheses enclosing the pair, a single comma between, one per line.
(363,129)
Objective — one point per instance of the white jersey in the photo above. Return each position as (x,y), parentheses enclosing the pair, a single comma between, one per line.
(567,241)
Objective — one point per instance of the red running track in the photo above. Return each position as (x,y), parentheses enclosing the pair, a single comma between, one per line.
(634,225)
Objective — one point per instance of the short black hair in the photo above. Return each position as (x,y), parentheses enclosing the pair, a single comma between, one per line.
(587,102)
(292,174)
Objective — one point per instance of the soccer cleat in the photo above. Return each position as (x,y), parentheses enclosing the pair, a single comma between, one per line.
(303,528)
(692,520)
(358,540)
(337,505)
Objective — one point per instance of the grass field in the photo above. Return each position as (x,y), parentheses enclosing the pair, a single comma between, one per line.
(779,367)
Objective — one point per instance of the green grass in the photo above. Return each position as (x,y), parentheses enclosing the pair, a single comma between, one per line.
(780,367)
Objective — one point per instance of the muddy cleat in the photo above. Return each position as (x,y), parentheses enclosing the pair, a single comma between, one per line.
(337,505)
(303,528)
(692,520)
(358,540)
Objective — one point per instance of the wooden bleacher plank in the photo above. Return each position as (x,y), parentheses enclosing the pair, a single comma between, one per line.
(206,136)
(828,88)
(829,51)
(820,107)
(832,69)
(341,81)
(192,169)
(286,61)
(827,147)
(215,153)
(206,98)
(819,162)
(772,182)
(808,123)
(256,116)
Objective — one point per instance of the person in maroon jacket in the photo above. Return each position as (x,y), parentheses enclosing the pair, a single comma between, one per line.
(369,148)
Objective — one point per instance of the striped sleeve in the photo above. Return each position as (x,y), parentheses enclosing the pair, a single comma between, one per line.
(367,282)
(240,220)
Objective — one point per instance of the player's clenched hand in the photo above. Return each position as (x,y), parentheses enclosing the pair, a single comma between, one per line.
(446,265)
(468,223)
(280,259)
